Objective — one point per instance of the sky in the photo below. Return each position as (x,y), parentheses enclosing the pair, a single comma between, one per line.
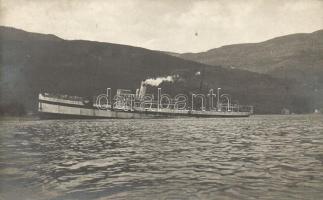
(167,25)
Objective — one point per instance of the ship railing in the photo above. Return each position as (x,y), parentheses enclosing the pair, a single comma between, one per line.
(171,108)
(164,110)
(102,106)
(232,108)
(63,96)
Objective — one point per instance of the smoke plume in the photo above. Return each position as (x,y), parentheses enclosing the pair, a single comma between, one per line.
(157,81)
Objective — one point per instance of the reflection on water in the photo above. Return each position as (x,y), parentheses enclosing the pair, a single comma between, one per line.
(262,157)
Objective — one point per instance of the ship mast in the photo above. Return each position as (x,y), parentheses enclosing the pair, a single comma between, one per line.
(202,79)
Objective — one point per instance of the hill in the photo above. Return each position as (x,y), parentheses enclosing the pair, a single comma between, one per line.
(267,56)
(31,63)
(297,57)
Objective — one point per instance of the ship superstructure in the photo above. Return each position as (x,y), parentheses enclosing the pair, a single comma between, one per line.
(139,104)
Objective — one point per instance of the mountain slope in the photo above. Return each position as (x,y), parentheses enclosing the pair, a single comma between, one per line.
(31,63)
(266,56)
(297,57)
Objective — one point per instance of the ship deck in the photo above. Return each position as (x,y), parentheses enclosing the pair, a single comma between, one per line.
(54,108)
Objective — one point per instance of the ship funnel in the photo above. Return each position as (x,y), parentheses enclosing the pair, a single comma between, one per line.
(142,90)
(137,93)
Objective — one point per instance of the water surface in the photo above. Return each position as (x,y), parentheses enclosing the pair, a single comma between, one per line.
(261,157)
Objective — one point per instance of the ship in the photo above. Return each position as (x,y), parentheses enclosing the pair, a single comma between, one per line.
(126,104)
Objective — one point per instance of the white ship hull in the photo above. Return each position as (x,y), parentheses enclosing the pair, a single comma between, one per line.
(50,107)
